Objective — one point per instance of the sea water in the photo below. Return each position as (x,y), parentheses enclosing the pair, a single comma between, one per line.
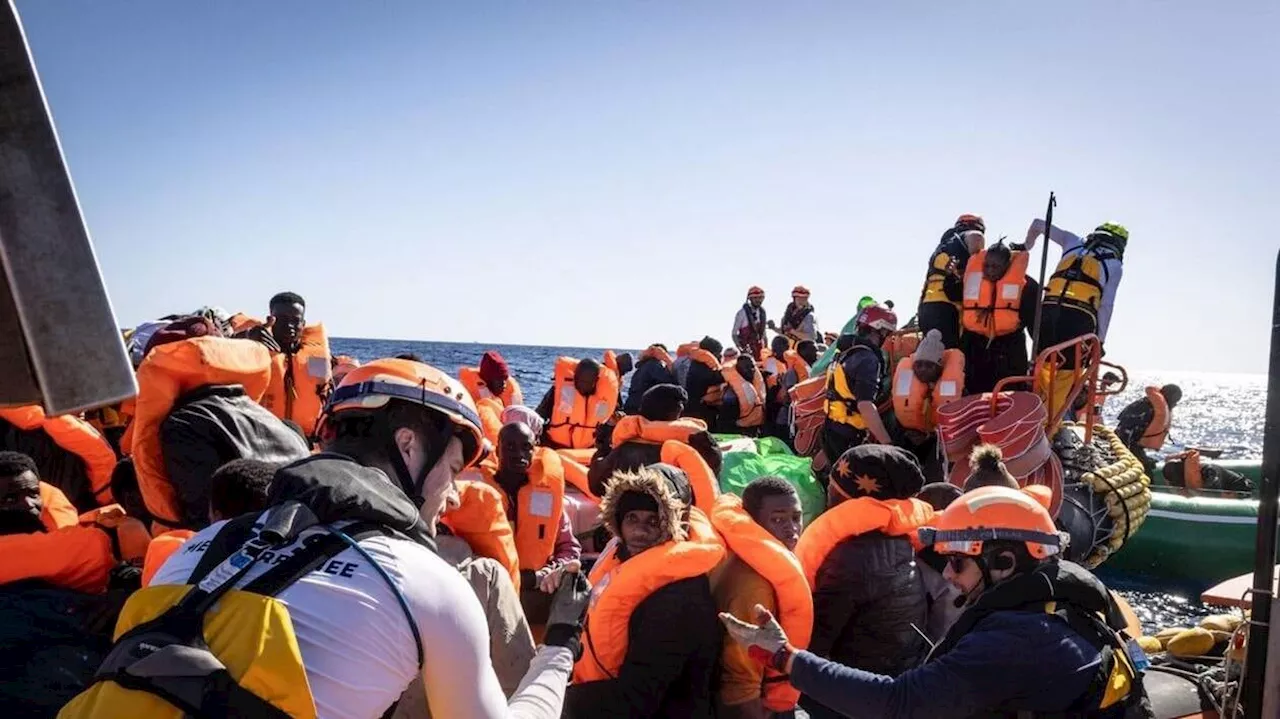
(1217,410)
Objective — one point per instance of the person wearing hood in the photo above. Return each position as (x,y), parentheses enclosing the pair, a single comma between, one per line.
(943,286)
(750,324)
(868,601)
(1039,636)
(651,643)
(704,383)
(798,322)
(348,534)
(653,368)
(658,434)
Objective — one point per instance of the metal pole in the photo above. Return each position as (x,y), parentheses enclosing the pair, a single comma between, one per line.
(1265,551)
(1044,266)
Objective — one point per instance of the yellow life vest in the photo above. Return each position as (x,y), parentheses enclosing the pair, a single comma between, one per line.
(173,657)
(841,405)
(935,278)
(1078,281)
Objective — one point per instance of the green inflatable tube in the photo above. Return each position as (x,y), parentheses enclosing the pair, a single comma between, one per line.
(1196,541)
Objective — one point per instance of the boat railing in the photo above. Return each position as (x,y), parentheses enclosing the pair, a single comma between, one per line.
(1050,370)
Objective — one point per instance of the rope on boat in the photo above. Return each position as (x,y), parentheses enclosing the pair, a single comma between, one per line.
(1126,489)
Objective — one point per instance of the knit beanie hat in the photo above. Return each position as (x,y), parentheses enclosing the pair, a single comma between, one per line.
(878,471)
(930,348)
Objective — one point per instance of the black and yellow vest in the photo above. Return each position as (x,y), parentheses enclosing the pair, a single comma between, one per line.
(172,657)
(1074,596)
(1080,279)
(841,404)
(952,247)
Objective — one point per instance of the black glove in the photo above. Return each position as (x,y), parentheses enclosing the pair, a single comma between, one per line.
(568,609)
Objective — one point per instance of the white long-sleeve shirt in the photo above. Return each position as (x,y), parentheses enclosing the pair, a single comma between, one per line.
(1071,244)
(357,647)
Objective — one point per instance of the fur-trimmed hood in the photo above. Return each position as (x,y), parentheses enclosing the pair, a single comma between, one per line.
(653,483)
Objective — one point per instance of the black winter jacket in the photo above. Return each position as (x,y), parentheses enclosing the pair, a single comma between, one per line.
(673,648)
(700,379)
(211,426)
(633,455)
(649,372)
(869,594)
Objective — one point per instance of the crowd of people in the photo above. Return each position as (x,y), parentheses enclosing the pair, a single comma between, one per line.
(269,530)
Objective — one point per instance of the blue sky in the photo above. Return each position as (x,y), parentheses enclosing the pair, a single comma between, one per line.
(615,173)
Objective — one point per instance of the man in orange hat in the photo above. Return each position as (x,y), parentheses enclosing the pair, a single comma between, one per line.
(749,325)
(798,322)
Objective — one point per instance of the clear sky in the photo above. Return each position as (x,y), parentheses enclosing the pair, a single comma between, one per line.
(616,173)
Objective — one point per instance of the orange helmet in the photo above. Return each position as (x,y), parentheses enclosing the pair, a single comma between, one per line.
(373,385)
(755,292)
(800,290)
(994,513)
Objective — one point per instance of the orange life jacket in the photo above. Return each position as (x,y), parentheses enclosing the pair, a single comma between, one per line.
(56,511)
(750,396)
(581,456)
(900,344)
(575,475)
(1192,473)
(539,507)
(701,479)
(656,352)
(1158,430)
(161,548)
(170,371)
(75,436)
(78,558)
(129,536)
(775,367)
(574,418)
(796,362)
(991,308)
(714,393)
(490,411)
(470,378)
(686,349)
(300,382)
(481,521)
(618,587)
(779,567)
(853,517)
(634,428)
(916,403)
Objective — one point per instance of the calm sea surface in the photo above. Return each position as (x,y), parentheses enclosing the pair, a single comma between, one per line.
(1217,410)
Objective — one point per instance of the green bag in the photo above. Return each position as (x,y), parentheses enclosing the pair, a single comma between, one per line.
(820,366)
(772,457)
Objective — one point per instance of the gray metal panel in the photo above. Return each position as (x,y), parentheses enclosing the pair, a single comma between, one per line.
(73,346)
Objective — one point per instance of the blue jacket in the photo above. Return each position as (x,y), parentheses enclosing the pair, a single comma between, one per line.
(1013,660)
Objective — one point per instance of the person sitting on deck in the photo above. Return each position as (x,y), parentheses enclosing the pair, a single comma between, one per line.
(653,368)
(999,310)
(743,407)
(638,440)
(923,382)
(859,558)
(772,506)
(1144,424)
(704,383)
(1039,635)
(650,644)
(301,374)
(584,396)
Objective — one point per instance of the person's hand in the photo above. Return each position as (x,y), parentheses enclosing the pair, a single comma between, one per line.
(765,641)
(549,578)
(771,325)
(1037,227)
(262,335)
(568,608)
